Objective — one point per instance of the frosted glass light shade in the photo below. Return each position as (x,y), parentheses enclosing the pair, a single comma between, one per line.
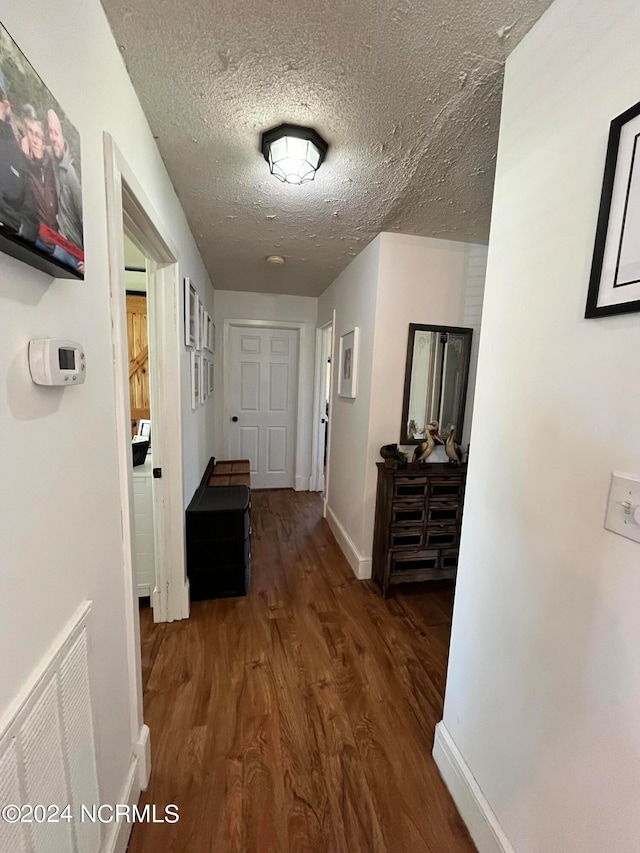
(294,153)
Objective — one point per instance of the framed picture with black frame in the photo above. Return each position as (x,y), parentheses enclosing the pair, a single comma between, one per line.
(614,286)
(41,214)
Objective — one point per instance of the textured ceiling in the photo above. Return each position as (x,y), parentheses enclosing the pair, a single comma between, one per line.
(406,93)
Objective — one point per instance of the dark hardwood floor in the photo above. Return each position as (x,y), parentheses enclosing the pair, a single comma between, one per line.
(301,717)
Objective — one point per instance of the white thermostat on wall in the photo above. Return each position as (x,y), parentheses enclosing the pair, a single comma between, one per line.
(56,362)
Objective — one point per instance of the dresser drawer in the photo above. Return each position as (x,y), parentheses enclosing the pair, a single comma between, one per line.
(449,558)
(406,537)
(445,512)
(409,488)
(445,488)
(438,536)
(407,514)
(418,561)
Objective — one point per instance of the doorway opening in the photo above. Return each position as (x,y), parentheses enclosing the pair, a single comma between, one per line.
(130,211)
(141,357)
(322,409)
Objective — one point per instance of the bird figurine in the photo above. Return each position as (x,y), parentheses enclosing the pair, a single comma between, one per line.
(452,448)
(423,451)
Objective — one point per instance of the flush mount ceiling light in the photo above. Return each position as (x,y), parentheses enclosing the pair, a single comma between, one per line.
(294,153)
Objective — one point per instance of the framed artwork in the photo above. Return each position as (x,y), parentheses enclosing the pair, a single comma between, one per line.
(211,333)
(41,219)
(205,331)
(200,324)
(209,378)
(614,287)
(204,393)
(348,364)
(190,314)
(196,380)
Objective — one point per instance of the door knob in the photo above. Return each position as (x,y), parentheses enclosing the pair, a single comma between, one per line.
(234,419)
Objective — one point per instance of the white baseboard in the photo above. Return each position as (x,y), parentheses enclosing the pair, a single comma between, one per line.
(117,837)
(142,750)
(483,825)
(302,484)
(186,600)
(361,565)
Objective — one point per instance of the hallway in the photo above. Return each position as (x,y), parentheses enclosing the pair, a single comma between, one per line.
(300,718)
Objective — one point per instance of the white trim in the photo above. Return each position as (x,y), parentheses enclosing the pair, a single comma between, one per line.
(128,206)
(483,825)
(361,565)
(314,481)
(302,484)
(304,331)
(142,751)
(319,472)
(118,833)
(185,600)
(333,379)
(127,201)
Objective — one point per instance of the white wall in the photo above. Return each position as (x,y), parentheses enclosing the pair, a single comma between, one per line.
(397,280)
(59,502)
(543,694)
(353,297)
(233,305)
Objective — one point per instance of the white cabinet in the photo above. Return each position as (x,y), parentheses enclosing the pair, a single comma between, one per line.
(143,544)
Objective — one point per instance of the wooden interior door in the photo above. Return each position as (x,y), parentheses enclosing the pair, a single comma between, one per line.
(138,358)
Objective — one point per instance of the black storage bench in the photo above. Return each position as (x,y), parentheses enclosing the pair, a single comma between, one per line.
(218,532)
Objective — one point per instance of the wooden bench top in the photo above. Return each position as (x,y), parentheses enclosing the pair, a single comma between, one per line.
(231,472)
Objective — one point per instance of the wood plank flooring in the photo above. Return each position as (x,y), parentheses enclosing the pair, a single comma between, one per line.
(300,719)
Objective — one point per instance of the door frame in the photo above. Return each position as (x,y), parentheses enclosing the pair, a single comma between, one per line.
(128,208)
(301,482)
(320,472)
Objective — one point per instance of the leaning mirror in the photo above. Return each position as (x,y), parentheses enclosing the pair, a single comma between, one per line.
(435,383)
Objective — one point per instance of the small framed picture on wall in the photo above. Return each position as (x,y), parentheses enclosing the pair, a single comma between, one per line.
(210,378)
(614,286)
(348,364)
(201,329)
(196,379)
(204,391)
(190,314)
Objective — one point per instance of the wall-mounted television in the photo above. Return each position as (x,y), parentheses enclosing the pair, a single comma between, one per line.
(41,220)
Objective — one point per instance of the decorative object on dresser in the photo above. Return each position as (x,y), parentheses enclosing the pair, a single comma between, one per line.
(218,529)
(393,456)
(452,448)
(417,525)
(435,382)
(423,451)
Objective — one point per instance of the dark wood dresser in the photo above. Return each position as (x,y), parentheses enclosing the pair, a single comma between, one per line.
(418,520)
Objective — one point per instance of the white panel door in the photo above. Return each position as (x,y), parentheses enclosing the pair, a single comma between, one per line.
(263,370)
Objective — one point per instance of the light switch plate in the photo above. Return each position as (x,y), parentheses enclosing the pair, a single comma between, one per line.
(623,506)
